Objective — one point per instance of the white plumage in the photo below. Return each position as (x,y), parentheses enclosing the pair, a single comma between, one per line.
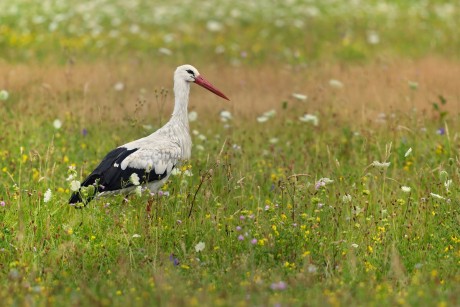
(153,157)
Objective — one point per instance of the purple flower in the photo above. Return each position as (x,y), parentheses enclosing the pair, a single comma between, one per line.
(319,184)
(84,132)
(441,131)
(2,203)
(242,217)
(238,228)
(240,237)
(254,241)
(278,286)
(174,260)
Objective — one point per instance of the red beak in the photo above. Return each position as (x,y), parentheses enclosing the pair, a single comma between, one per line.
(202,82)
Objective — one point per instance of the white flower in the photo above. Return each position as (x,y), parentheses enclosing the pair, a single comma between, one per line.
(262,119)
(199,247)
(71,177)
(335,83)
(273,140)
(192,116)
(405,189)
(408,152)
(270,113)
(136,235)
(214,26)
(48,195)
(147,127)
(447,184)
(436,196)
(354,245)
(300,97)
(119,86)
(188,173)
(75,186)
(165,51)
(57,124)
(346,198)
(4,95)
(134,179)
(199,147)
(202,137)
(310,118)
(225,116)
(175,171)
(380,164)
(373,38)
(138,191)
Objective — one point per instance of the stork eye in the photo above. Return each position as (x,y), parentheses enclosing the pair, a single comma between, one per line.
(190,72)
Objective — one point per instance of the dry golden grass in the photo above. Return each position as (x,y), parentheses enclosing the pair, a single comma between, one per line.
(87,90)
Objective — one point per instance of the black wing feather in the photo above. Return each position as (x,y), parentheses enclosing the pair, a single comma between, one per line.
(111,178)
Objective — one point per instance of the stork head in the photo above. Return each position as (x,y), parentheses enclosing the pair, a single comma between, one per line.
(189,73)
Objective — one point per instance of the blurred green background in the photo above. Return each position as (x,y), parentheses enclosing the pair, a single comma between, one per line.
(235,32)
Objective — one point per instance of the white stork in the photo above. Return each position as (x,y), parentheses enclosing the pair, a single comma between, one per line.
(153,157)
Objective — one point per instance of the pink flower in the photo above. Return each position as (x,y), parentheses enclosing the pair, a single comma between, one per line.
(240,237)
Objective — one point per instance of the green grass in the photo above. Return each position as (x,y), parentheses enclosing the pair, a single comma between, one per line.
(272,233)
(382,247)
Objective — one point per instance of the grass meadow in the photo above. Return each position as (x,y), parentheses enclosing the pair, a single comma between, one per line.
(331,178)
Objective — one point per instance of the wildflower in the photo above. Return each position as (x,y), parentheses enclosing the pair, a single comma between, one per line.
(225,116)
(134,179)
(312,269)
(405,189)
(381,165)
(262,119)
(254,241)
(75,185)
(436,196)
(238,228)
(281,285)
(4,95)
(323,182)
(119,86)
(447,184)
(373,38)
(2,203)
(300,97)
(310,118)
(346,198)
(136,235)
(138,191)
(48,195)
(188,173)
(84,132)
(192,116)
(199,247)
(174,260)
(57,124)
(354,245)
(408,152)
(165,51)
(335,84)
(214,26)
(240,238)
(441,131)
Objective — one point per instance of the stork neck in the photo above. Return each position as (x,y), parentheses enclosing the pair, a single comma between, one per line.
(181,94)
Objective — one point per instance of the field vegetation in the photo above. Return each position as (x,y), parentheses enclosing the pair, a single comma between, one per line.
(330,178)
